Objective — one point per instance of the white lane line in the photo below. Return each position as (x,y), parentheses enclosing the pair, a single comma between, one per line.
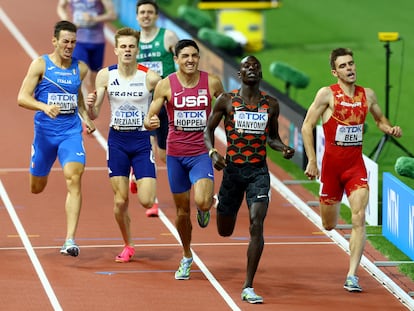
(59,169)
(33,55)
(54,169)
(110,37)
(200,264)
(153,245)
(29,248)
(369,266)
(103,143)
(276,184)
(9,206)
(17,34)
(310,214)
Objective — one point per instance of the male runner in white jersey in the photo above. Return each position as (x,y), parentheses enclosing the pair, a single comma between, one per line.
(129,88)
(156,51)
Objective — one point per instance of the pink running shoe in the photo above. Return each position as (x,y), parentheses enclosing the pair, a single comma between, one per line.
(132,183)
(126,254)
(133,186)
(153,211)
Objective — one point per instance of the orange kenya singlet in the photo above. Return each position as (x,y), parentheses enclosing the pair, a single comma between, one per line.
(246,131)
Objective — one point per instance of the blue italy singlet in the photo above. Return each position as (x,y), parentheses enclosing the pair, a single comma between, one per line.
(59,86)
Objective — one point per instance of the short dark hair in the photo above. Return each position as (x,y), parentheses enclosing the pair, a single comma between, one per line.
(183,44)
(339,52)
(63,25)
(154,4)
(245,59)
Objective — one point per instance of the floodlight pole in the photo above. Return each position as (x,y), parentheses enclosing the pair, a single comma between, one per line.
(376,152)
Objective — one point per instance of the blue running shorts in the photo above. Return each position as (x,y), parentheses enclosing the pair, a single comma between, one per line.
(91,53)
(186,171)
(45,150)
(126,149)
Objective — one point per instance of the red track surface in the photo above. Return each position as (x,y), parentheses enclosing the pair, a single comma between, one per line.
(301,268)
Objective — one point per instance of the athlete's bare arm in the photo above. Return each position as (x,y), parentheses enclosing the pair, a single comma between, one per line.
(63,10)
(25,97)
(273,139)
(222,108)
(162,93)
(152,78)
(382,122)
(95,99)
(319,108)
(215,85)
(170,40)
(82,108)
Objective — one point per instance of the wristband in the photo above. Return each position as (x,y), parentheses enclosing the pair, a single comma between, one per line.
(212,150)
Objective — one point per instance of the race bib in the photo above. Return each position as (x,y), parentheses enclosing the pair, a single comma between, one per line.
(67,102)
(349,135)
(190,120)
(128,120)
(250,122)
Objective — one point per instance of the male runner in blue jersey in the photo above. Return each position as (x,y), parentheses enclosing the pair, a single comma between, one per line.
(52,87)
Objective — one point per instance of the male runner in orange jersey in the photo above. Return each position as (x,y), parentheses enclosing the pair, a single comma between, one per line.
(250,122)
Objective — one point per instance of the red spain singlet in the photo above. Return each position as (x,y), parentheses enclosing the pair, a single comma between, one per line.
(346,125)
(343,167)
(188,110)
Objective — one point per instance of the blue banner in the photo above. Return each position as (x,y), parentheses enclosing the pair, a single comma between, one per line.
(398,214)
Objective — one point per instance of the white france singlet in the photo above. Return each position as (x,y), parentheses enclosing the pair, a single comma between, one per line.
(129,99)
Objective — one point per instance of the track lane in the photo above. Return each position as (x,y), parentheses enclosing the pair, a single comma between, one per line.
(288,270)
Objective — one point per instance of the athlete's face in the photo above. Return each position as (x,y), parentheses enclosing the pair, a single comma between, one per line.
(146,16)
(65,44)
(250,70)
(345,69)
(126,49)
(188,59)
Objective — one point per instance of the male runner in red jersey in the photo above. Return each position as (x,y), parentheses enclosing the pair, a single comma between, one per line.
(343,108)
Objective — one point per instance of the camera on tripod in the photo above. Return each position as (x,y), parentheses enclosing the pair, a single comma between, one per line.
(388,36)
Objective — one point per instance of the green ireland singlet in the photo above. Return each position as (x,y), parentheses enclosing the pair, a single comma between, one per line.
(155,56)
